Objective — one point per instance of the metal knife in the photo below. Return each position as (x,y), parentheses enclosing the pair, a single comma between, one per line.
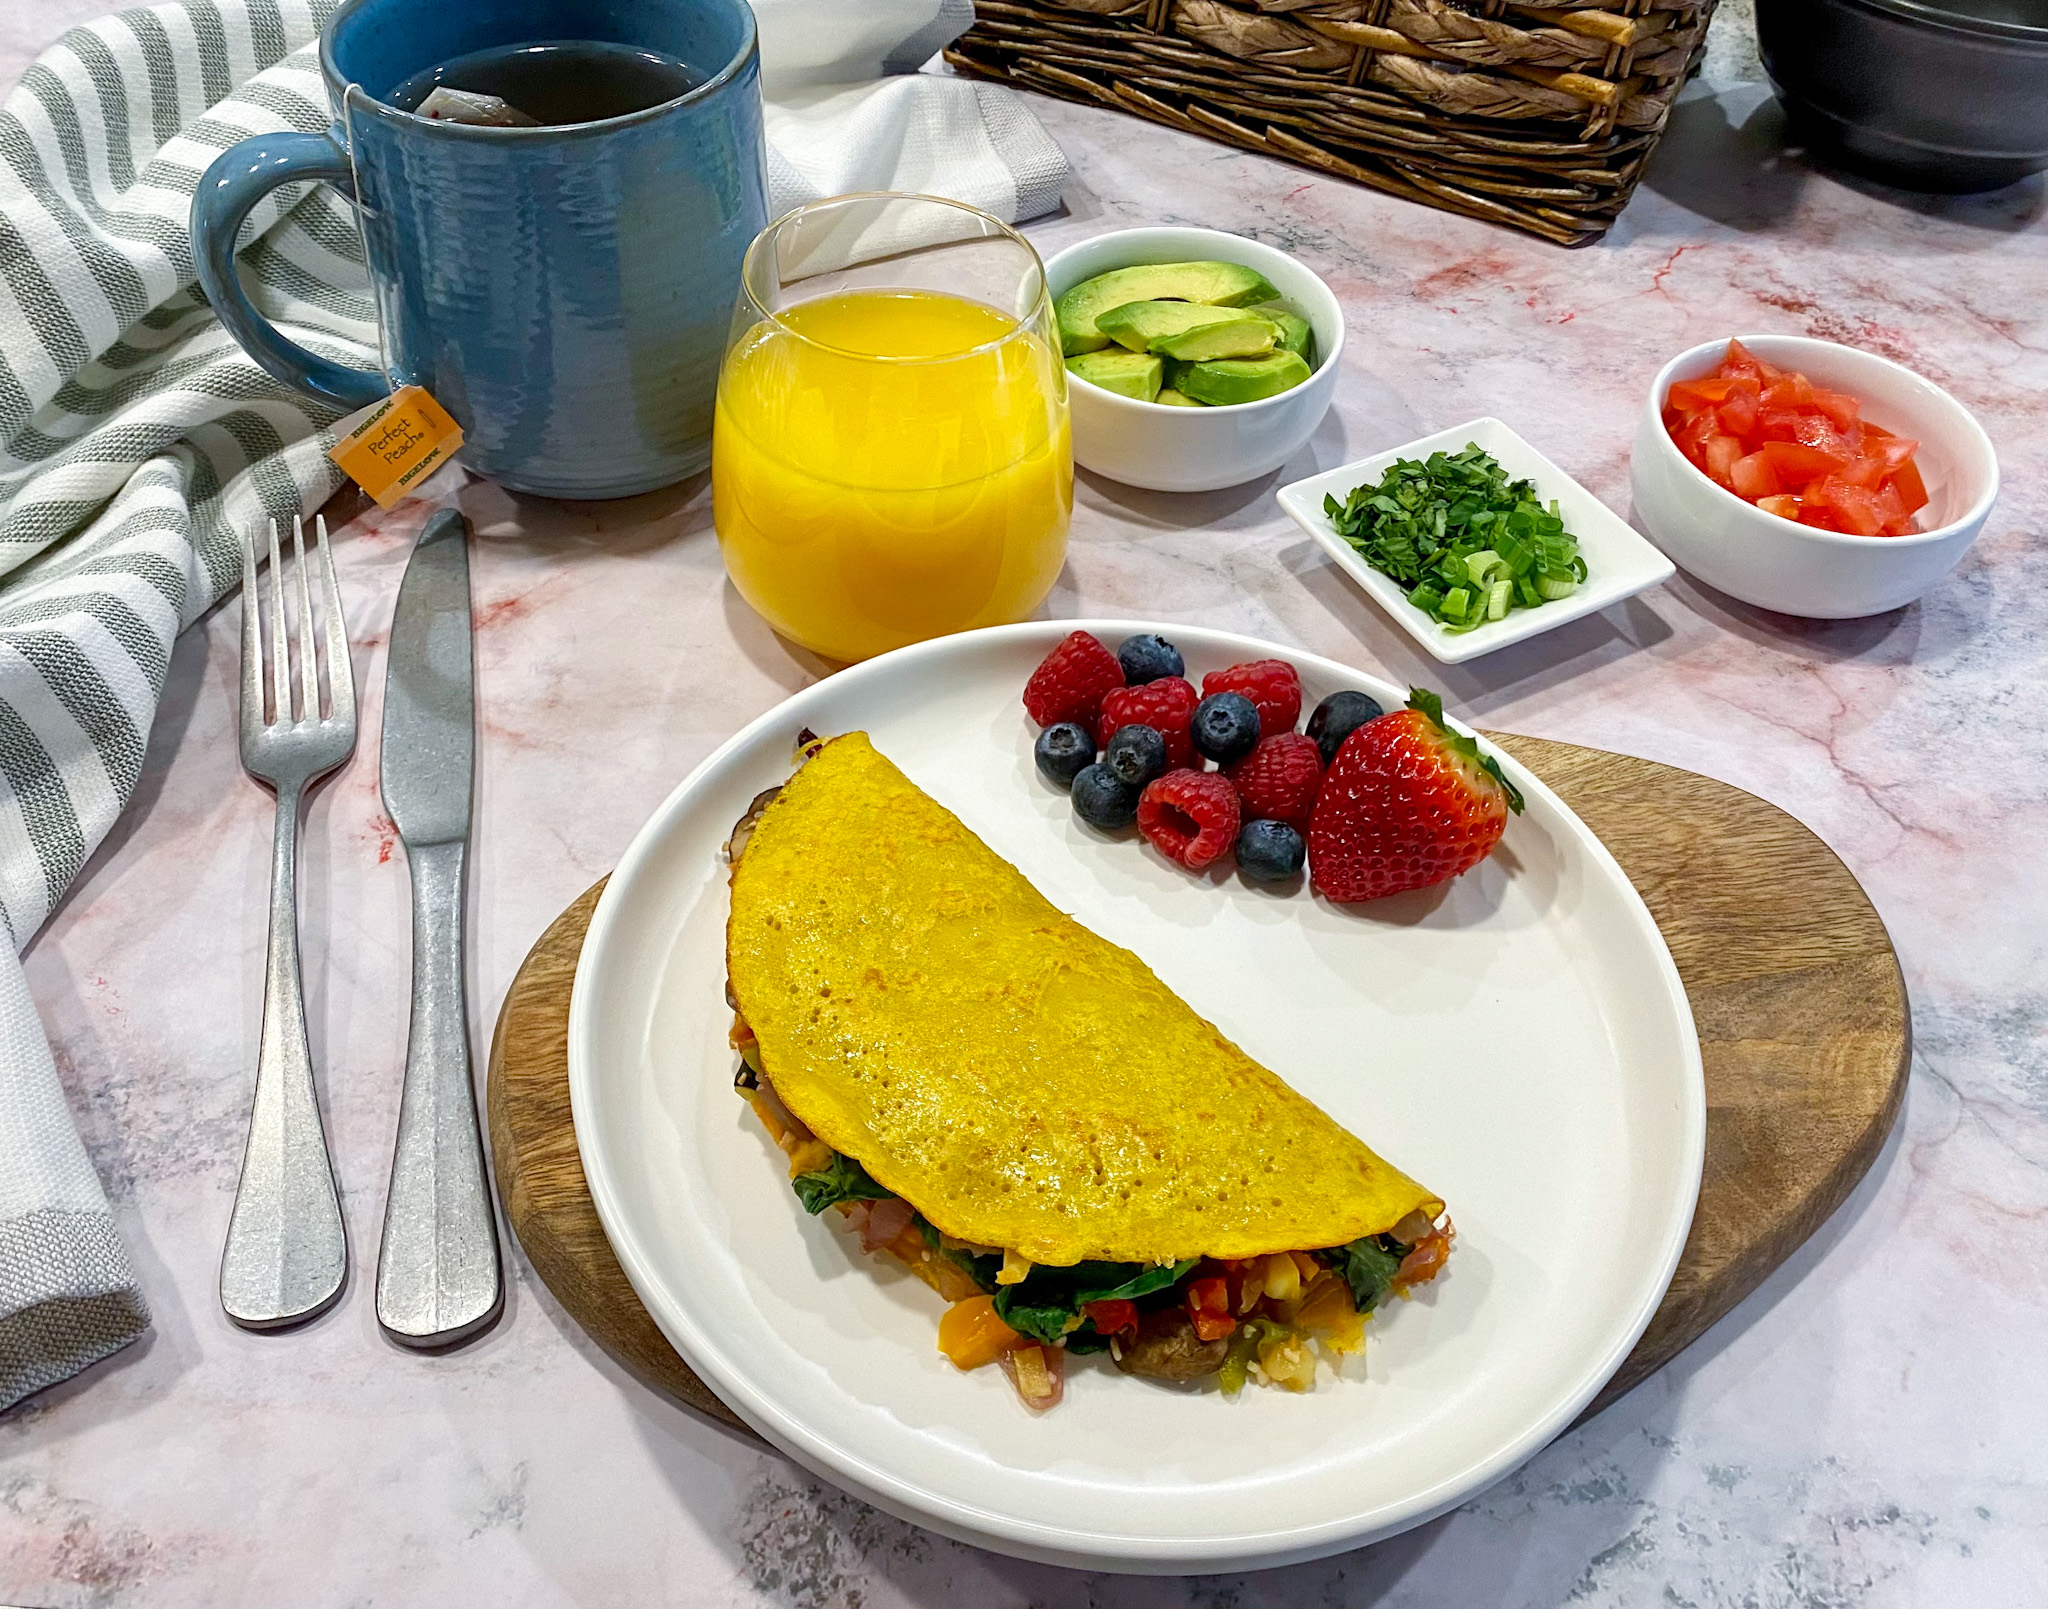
(438,1274)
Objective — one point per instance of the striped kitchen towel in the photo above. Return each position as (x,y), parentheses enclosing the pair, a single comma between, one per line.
(136,441)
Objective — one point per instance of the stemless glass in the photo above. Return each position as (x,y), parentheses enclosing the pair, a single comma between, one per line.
(891,458)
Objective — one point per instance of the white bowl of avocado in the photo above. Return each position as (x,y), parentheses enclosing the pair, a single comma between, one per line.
(1195,359)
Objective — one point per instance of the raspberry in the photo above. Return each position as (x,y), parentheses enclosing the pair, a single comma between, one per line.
(1164,705)
(1070,681)
(1278,780)
(1191,816)
(1270,684)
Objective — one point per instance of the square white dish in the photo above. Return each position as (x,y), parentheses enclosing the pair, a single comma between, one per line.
(1619,562)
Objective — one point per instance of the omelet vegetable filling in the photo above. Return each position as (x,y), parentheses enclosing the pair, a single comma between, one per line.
(1260,1319)
(917,1024)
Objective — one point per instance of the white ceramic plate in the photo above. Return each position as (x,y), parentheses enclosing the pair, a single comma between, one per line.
(1619,562)
(1518,1040)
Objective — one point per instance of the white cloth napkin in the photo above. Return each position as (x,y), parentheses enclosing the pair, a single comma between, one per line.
(136,441)
(847,110)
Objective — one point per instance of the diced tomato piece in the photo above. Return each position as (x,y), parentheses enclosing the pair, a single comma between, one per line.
(1740,360)
(1821,432)
(1789,391)
(1839,406)
(973,1333)
(1720,455)
(1697,431)
(1798,465)
(1785,506)
(1857,508)
(1690,396)
(1775,424)
(1906,481)
(1754,478)
(1894,450)
(1112,1317)
(1422,1264)
(1891,511)
(1209,1309)
(1870,429)
(1738,413)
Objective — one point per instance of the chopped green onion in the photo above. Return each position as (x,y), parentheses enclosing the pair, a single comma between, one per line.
(1465,542)
(1480,566)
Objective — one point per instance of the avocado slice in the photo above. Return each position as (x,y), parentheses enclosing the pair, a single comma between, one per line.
(1188,330)
(1248,335)
(1145,324)
(1229,380)
(1138,325)
(1128,374)
(1296,334)
(1209,283)
(1170,398)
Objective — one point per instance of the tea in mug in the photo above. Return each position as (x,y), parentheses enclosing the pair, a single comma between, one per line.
(558,81)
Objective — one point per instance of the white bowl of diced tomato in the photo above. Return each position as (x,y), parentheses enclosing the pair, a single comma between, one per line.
(1807,477)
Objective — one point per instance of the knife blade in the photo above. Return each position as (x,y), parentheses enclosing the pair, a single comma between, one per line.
(439,1279)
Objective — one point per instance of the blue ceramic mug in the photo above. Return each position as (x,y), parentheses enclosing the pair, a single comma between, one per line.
(563,292)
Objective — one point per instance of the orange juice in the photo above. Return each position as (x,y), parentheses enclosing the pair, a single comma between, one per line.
(890,465)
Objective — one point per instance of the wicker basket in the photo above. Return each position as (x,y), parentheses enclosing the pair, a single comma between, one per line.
(1534,115)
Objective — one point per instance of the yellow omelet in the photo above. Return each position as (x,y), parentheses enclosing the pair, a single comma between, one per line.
(924,1010)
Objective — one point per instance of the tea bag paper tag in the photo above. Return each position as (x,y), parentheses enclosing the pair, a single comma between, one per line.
(392,446)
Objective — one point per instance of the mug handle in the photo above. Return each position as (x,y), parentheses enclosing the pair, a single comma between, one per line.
(241,176)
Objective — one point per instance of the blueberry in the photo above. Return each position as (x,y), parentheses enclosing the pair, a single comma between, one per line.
(1102,799)
(1136,754)
(1225,726)
(1337,717)
(1061,751)
(1270,851)
(1147,658)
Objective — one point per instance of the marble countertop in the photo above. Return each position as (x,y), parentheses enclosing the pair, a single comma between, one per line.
(1869,1429)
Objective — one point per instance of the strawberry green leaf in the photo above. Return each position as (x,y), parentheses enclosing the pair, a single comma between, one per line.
(1432,706)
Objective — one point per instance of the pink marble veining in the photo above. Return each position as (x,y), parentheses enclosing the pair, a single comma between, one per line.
(1867,1430)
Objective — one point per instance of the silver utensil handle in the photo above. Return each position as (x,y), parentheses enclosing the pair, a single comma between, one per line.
(287,1252)
(438,1279)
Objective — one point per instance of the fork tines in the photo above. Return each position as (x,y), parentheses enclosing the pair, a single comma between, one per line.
(267,699)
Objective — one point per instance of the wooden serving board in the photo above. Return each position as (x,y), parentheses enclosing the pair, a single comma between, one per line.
(1796,992)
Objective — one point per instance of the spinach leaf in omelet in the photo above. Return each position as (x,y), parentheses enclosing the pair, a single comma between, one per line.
(843,1179)
(1047,1301)
(1368,1267)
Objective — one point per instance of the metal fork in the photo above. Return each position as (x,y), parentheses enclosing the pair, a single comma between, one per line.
(287,1253)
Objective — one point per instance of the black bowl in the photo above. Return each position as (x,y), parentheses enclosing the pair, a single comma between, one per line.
(1946,98)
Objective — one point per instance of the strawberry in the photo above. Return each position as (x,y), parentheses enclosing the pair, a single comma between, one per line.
(1278,780)
(1071,680)
(1191,817)
(1164,705)
(1271,685)
(1406,803)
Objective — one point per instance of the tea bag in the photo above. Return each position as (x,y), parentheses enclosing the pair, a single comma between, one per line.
(447,105)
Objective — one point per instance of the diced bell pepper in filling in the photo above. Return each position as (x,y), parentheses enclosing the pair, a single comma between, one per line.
(1208,1304)
(972,1333)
